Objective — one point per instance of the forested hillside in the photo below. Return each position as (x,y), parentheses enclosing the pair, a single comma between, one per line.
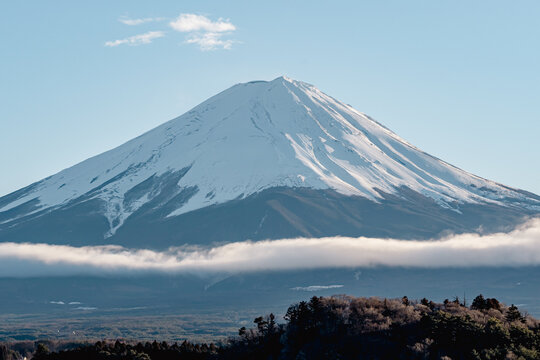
(344,327)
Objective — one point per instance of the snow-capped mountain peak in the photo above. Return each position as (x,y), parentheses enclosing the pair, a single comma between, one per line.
(251,137)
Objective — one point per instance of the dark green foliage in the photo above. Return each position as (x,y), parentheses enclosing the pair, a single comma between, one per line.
(125,351)
(513,314)
(345,327)
(479,303)
(42,352)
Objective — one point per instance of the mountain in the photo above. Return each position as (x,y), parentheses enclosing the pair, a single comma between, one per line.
(260,160)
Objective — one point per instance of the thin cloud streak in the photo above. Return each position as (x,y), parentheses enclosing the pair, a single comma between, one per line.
(140,39)
(518,248)
(135,22)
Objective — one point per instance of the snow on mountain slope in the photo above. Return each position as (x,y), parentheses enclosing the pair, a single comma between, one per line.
(255,136)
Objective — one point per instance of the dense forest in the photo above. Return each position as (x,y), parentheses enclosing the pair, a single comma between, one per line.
(343,327)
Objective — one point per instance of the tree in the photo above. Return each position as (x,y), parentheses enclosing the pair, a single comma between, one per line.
(479,303)
(492,303)
(272,327)
(241,332)
(405,301)
(4,353)
(261,325)
(513,314)
(41,352)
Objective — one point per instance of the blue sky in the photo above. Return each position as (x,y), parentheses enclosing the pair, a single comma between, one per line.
(459,79)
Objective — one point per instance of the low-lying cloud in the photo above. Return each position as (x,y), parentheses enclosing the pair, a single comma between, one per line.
(520,247)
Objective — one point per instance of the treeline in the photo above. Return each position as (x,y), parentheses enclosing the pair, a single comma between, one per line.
(344,327)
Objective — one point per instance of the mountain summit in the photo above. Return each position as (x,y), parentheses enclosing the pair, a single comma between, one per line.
(264,159)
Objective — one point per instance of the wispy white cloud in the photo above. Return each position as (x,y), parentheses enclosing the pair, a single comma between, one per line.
(208,34)
(140,39)
(199,30)
(210,41)
(193,22)
(520,247)
(133,22)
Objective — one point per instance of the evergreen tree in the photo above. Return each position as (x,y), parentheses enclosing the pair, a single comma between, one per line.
(513,314)
(479,303)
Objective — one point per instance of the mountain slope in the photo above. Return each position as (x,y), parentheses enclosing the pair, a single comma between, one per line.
(282,147)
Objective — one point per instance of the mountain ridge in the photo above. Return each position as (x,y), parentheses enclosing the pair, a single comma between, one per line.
(248,139)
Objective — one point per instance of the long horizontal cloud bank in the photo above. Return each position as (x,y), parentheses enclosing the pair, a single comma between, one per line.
(518,248)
